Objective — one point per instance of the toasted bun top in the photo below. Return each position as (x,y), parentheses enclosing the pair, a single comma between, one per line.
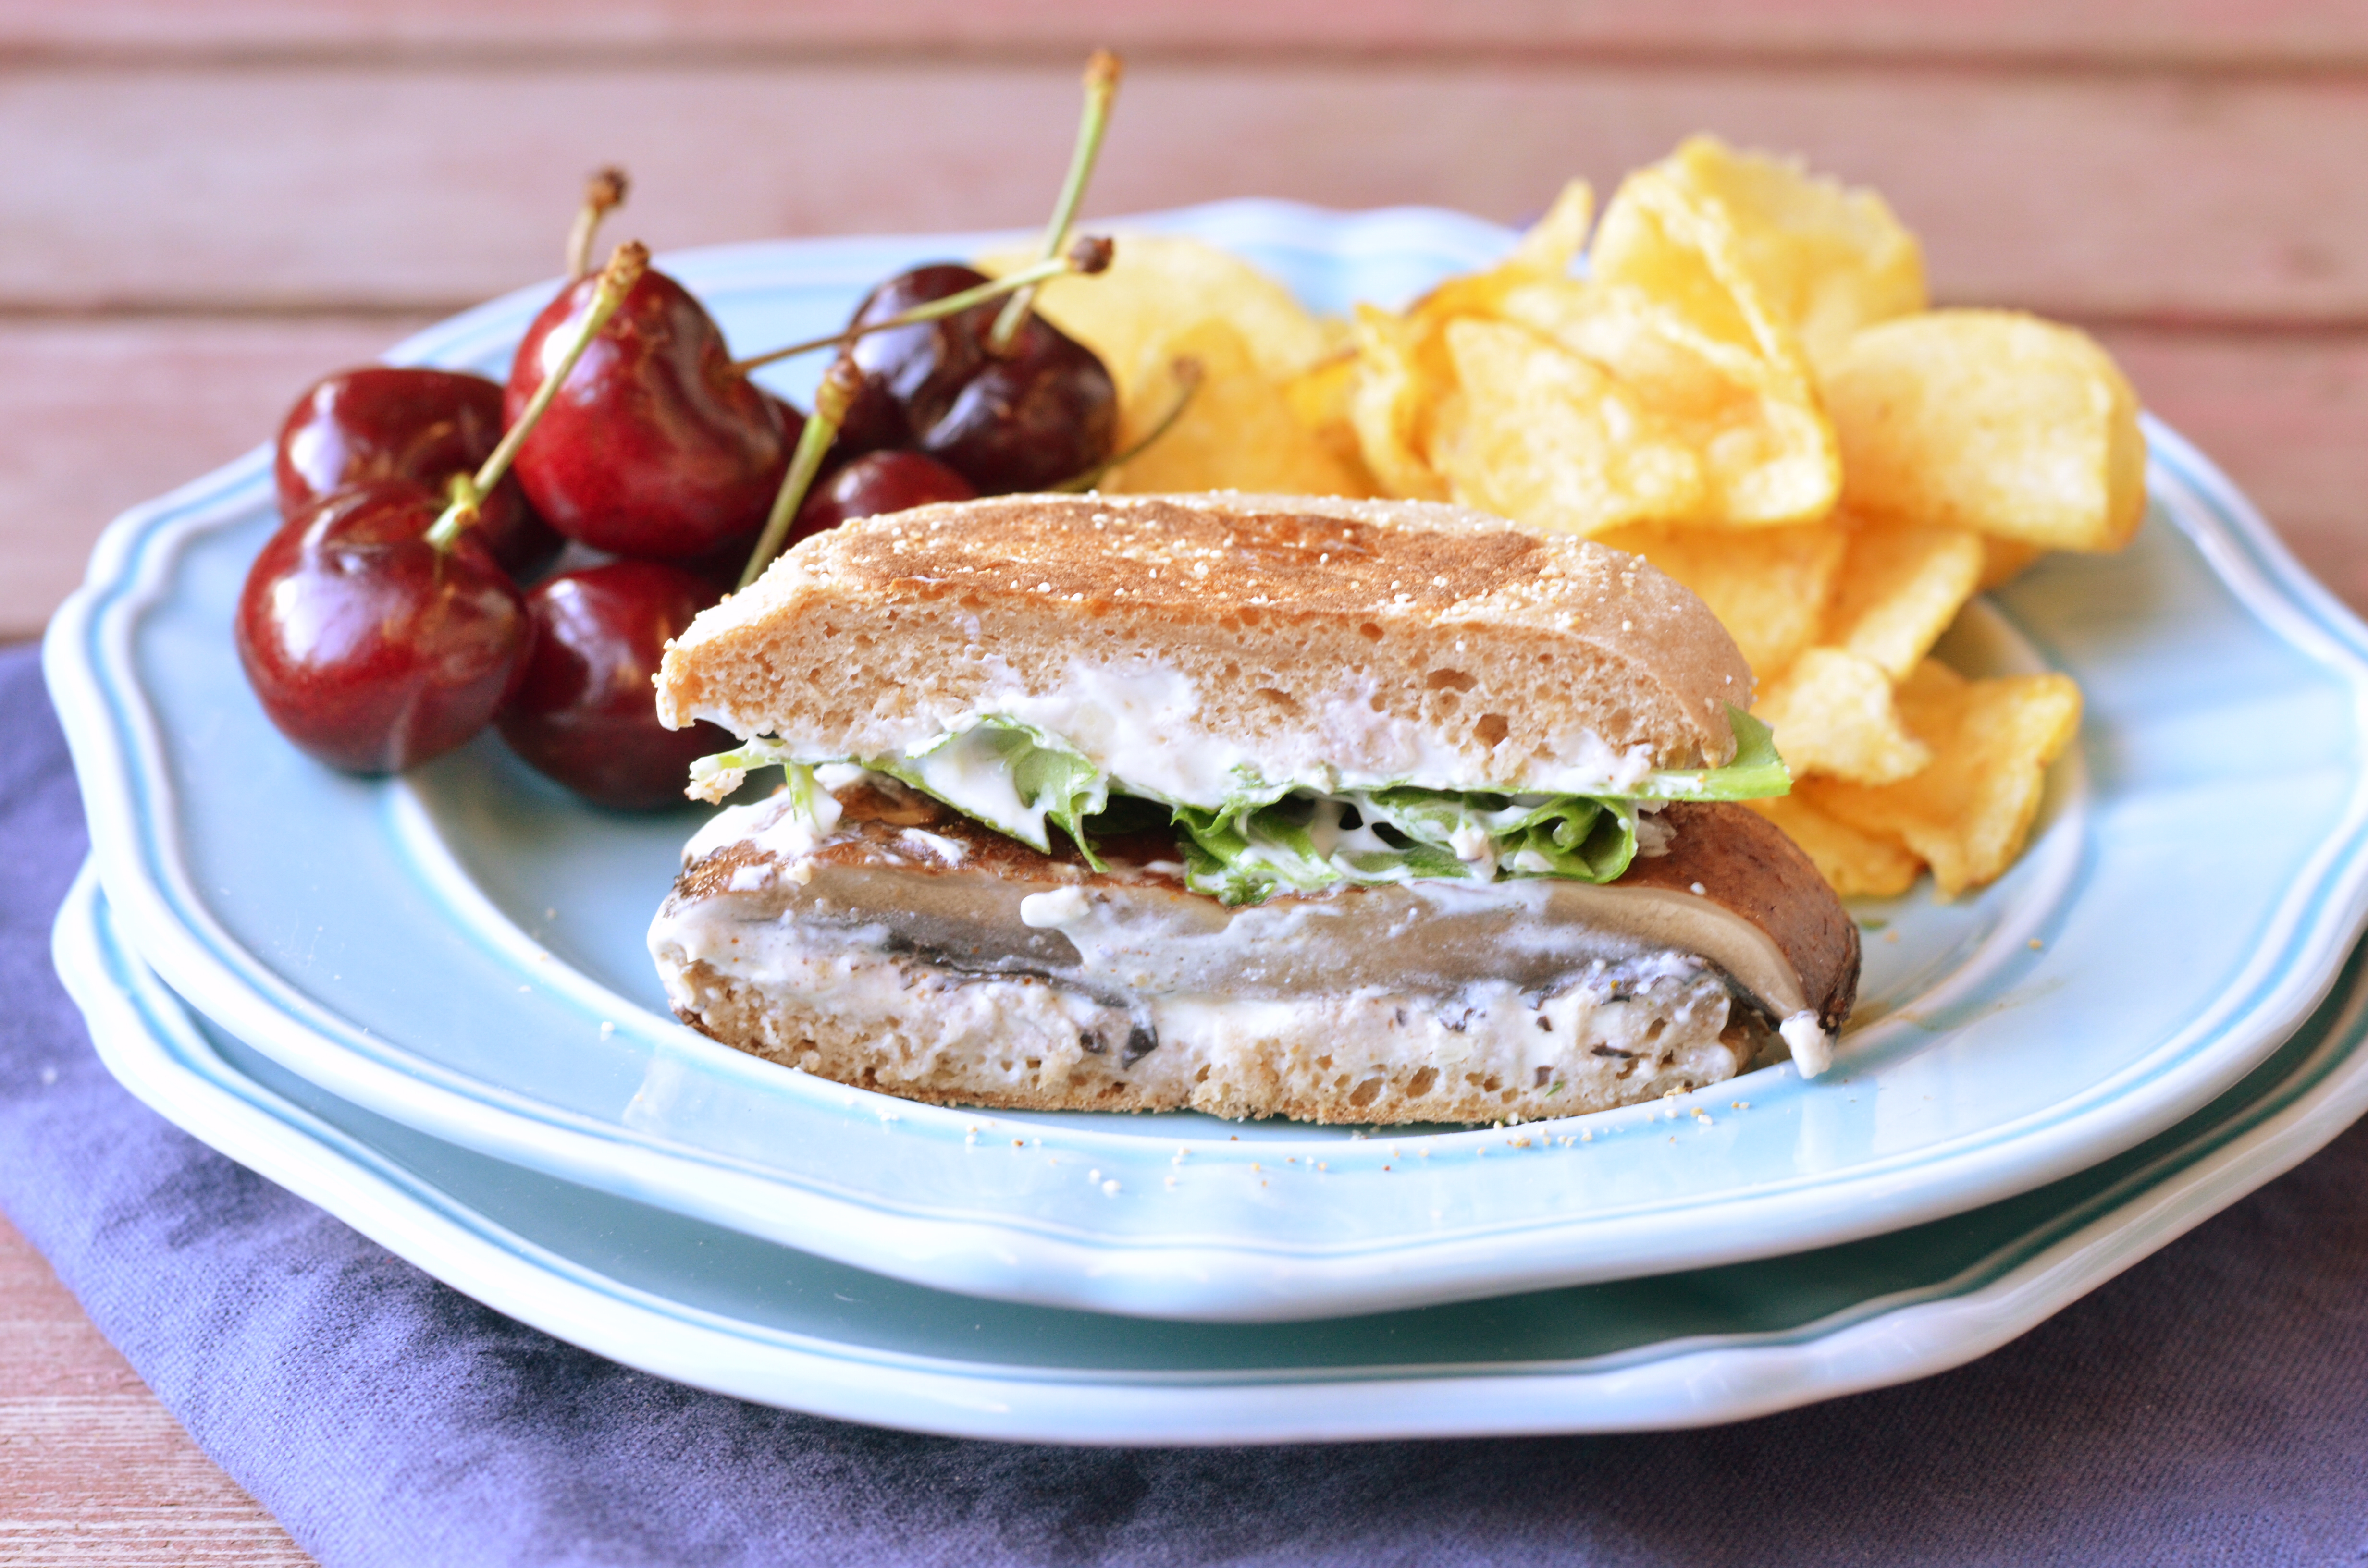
(1338,643)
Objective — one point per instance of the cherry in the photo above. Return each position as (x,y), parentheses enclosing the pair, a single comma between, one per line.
(911,373)
(408,422)
(584,713)
(999,395)
(656,445)
(375,627)
(877,483)
(371,648)
(1043,412)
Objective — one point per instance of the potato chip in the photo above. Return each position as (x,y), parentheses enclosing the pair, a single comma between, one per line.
(1992,421)
(1544,436)
(1392,403)
(1968,814)
(1829,259)
(1901,586)
(1320,398)
(1160,288)
(1555,241)
(1767,452)
(1673,244)
(1834,715)
(1768,586)
(1237,433)
(1854,863)
(2004,560)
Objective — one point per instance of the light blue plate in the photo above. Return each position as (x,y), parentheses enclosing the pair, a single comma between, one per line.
(709,1306)
(461,952)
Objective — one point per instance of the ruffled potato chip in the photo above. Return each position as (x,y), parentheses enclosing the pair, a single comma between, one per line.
(1769,587)
(2004,560)
(1550,438)
(1766,451)
(1392,403)
(1828,258)
(1901,586)
(1993,421)
(1553,241)
(1854,862)
(1968,812)
(1157,289)
(1239,432)
(1320,398)
(1834,715)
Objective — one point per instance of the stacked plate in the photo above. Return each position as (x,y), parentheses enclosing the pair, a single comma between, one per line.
(424,1005)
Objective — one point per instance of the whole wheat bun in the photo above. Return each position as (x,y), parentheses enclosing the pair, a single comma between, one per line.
(1401,641)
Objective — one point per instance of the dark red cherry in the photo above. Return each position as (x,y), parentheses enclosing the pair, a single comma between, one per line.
(1044,412)
(655,447)
(408,422)
(912,373)
(371,649)
(877,483)
(584,714)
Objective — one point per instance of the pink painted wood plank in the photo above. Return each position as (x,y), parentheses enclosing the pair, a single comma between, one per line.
(2311,34)
(334,188)
(2285,418)
(96,418)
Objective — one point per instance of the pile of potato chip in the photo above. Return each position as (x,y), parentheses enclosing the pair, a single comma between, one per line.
(1747,387)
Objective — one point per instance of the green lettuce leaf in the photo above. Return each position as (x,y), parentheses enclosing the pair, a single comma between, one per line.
(1248,852)
(1755,773)
(1266,838)
(1010,776)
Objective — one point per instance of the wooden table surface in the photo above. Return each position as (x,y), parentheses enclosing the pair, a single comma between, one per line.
(208,204)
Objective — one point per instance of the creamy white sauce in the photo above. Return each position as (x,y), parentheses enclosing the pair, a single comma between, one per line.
(1140,723)
(1813,1049)
(968,774)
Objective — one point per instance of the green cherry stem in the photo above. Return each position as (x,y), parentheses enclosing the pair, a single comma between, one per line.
(1087,255)
(603,194)
(839,385)
(1102,72)
(625,267)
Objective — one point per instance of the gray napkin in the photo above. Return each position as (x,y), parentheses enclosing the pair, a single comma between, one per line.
(2211,1406)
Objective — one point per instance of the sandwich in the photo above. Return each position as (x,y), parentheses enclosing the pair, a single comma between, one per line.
(1348,811)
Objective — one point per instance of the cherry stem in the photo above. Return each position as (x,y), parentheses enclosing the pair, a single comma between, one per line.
(603,194)
(1102,73)
(1087,255)
(626,265)
(839,385)
(1188,374)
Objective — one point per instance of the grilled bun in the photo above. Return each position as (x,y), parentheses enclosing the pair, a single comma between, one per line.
(1333,640)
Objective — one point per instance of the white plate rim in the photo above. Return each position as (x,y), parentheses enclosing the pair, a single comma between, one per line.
(146,1036)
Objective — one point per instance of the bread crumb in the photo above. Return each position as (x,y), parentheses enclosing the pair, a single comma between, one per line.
(2035,944)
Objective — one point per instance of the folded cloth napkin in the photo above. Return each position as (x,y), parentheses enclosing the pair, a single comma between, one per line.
(2211,1404)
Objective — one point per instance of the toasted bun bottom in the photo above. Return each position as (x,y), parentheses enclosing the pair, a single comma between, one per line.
(904,1027)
